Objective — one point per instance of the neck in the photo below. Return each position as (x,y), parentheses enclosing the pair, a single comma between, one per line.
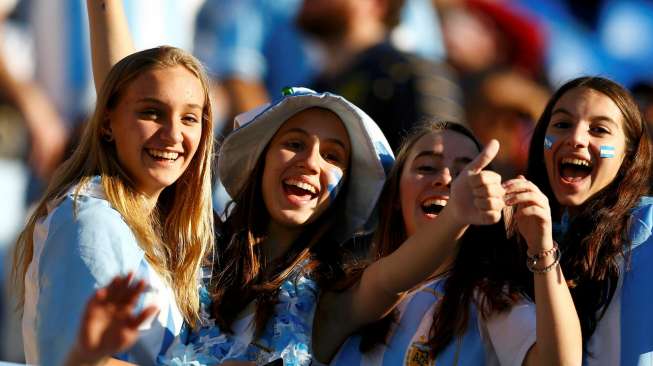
(279,240)
(342,51)
(150,200)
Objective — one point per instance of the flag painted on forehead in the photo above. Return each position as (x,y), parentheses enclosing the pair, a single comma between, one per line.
(334,183)
(606,151)
(548,142)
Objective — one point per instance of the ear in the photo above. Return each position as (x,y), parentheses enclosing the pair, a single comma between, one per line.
(106,131)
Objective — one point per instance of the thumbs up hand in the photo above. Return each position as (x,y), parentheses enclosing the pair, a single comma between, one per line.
(477,194)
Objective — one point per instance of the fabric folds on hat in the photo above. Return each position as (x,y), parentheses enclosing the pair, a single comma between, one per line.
(371,155)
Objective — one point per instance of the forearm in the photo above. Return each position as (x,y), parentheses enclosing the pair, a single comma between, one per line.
(110,37)
(383,284)
(420,255)
(559,339)
(385,281)
(76,358)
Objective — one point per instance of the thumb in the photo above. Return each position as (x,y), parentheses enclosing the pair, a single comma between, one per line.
(484,157)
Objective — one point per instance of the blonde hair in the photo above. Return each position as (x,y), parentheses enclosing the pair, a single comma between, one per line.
(178,233)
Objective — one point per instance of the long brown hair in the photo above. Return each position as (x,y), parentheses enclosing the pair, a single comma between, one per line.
(594,243)
(179,232)
(242,274)
(480,273)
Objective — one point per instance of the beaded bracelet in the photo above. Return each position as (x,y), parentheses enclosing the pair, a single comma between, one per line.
(531,262)
(543,253)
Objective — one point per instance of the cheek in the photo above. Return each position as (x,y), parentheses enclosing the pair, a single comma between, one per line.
(610,167)
(407,195)
(193,138)
(548,161)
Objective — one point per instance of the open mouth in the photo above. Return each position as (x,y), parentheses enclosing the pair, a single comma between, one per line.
(161,155)
(433,206)
(574,170)
(300,189)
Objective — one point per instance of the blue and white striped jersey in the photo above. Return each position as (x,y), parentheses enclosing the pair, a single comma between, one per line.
(503,339)
(624,336)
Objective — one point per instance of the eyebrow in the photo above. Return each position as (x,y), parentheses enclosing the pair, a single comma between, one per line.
(428,153)
(303,132)
(157,101)
(597,118)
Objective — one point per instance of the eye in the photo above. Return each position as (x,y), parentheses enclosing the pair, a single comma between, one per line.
(331,157)
(190,119)
(294,145)
(149,114)
(561,124)
(601,130)
(426,168)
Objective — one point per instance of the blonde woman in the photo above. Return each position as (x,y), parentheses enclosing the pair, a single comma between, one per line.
(133,197)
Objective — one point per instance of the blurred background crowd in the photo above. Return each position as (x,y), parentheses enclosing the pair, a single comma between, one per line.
(489,64)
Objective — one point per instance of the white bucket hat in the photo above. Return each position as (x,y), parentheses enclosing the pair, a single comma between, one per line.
(371,154)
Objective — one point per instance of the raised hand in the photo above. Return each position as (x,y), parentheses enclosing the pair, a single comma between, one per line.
(109,325)
(531,211)
(477,194)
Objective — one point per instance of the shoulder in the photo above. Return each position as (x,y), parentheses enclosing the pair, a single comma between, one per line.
(89,216)
(641,221)
(87,229)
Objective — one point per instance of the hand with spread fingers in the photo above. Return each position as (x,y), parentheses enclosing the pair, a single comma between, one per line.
(477,194)
(109,325)
(531,212)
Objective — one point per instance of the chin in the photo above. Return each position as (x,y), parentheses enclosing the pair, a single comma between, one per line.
(292,220)
(571,200)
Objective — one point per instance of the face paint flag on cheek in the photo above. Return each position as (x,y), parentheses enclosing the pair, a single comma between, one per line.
(606,151)
(334,183)
(548,142)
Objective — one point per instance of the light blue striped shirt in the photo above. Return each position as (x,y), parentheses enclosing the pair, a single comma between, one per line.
(77,252)
(624,336)
(504,339)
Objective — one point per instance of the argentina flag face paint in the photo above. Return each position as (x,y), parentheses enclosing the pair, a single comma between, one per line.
(606,151)
(334,183)
(548,142)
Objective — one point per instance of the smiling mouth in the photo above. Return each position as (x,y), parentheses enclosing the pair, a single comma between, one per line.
(433,206)
(574,170)
(161,155)
(300,189)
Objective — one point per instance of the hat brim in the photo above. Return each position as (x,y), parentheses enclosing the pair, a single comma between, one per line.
(371,154)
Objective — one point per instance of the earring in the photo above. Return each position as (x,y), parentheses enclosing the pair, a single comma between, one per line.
(108,137)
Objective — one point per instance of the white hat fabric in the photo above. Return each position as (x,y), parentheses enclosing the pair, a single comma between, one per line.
(371,154)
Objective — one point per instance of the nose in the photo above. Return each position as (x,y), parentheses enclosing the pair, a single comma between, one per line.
(579,137)
(311,159)
(171,132)
(442,178)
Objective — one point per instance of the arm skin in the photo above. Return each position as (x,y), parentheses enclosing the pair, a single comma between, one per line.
(558,334)
(46,128)
(110,37)
(476,198)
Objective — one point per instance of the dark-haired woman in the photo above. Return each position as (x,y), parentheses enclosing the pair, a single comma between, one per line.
(591,156)
(473,310)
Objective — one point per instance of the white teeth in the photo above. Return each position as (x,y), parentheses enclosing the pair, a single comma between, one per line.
(163,154)
(302,185)
(576,161)
(434,201)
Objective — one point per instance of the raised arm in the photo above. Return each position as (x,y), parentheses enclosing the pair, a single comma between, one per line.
(110,37)
(476,198)
(558,332)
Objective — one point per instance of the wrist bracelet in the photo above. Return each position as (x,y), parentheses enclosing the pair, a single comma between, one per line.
(543,253)
(531,262)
